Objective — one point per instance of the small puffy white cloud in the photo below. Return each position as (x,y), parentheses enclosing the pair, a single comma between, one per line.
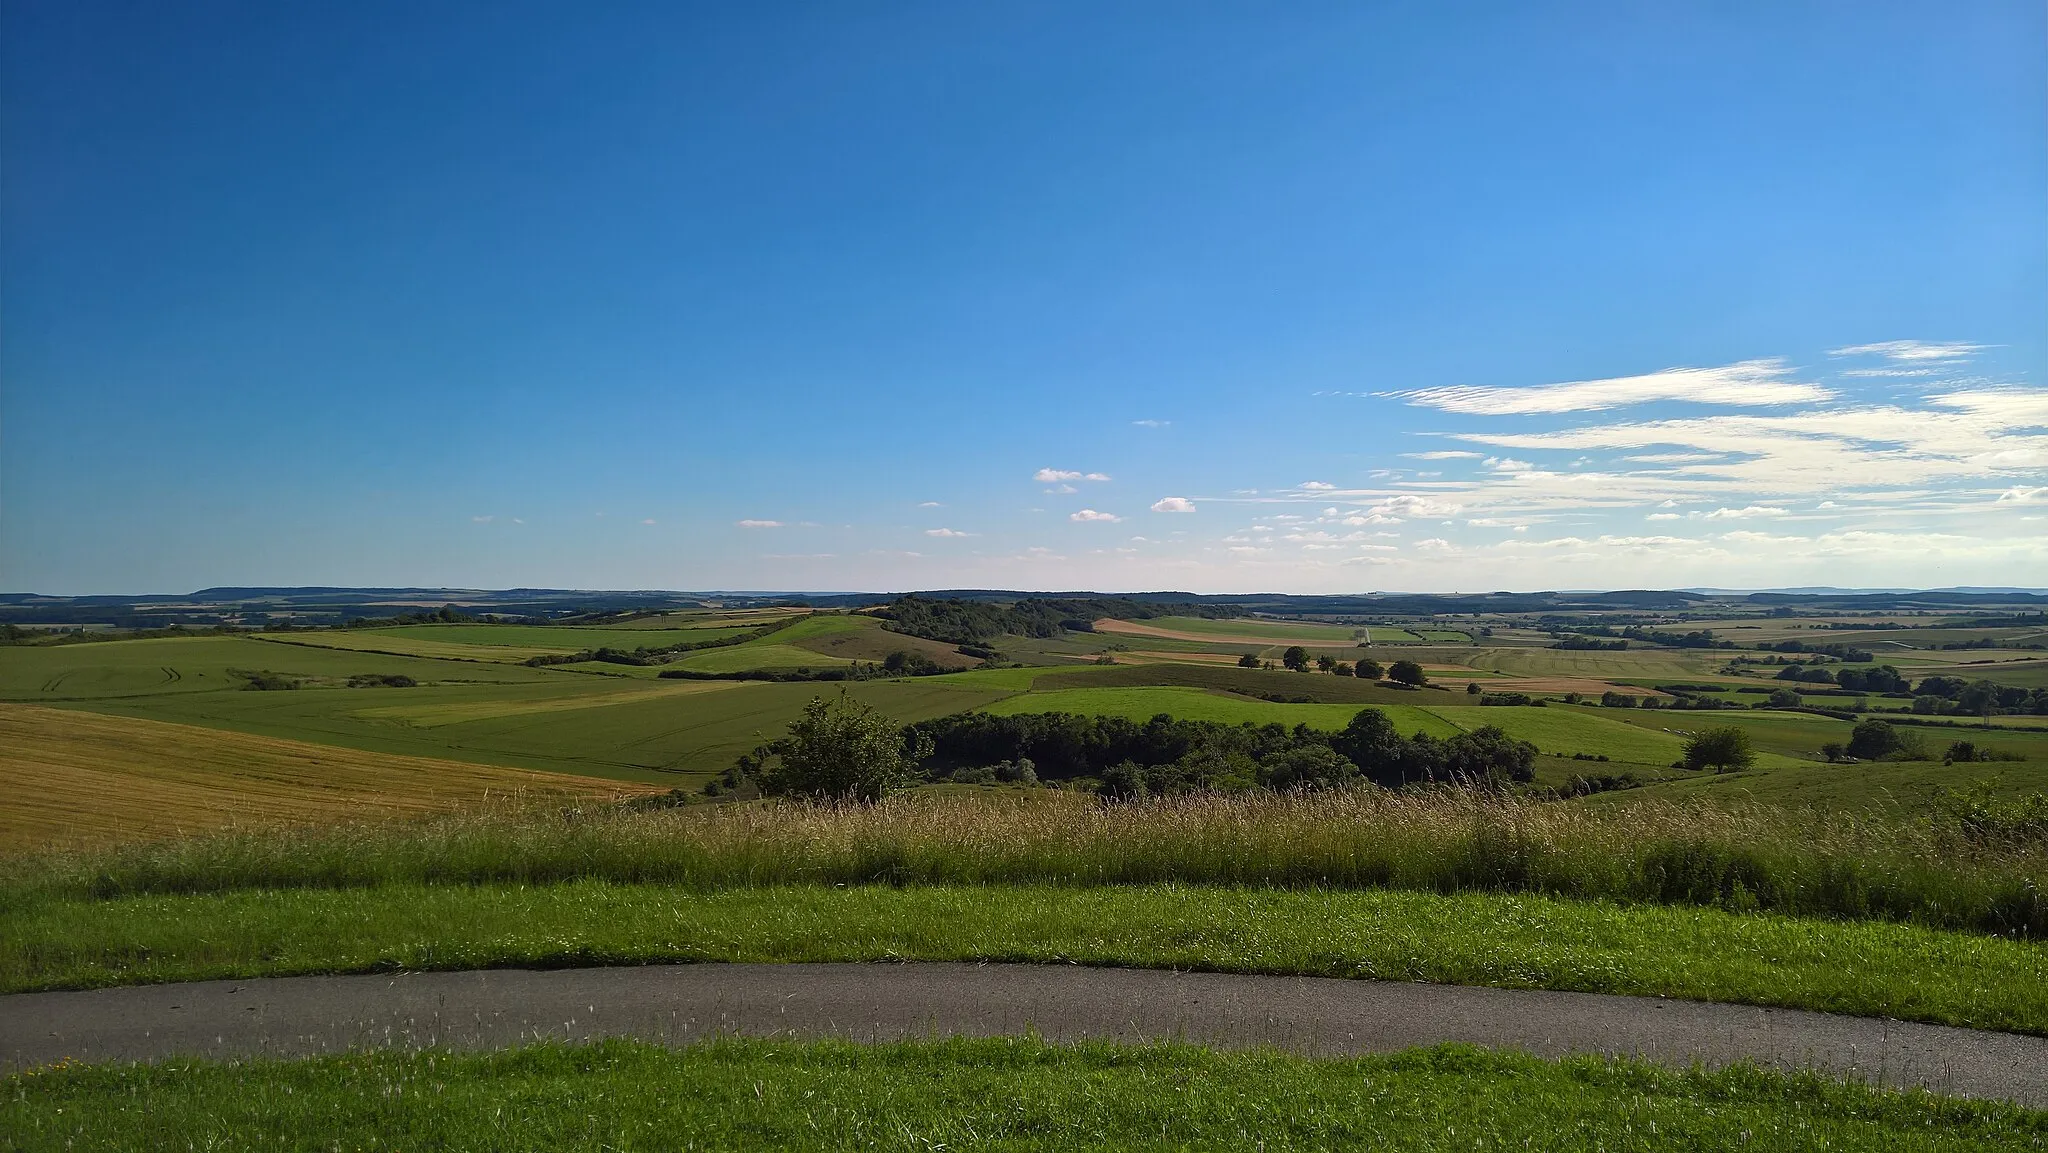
(1151,423)
(1087,515)
(1317,485)
(748,523)
(1507,464)
(2019,494)
(1173,504)
(1435,544)
(1746,512)
(946,532)
(1063,475)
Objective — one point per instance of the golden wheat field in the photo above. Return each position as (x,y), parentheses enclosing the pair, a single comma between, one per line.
(74,778)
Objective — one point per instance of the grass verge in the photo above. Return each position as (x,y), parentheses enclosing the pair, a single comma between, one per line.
(1735,858)
(1518,941)
(984,1094)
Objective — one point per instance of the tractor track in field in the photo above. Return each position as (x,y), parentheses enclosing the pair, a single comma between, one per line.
(681,1004)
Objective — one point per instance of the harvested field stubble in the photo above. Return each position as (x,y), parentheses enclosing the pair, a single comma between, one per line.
(77,777)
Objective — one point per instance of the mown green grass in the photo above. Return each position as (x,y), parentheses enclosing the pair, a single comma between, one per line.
(1504,940)
(999,1094)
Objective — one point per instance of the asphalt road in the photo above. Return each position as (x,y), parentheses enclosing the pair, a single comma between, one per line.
(678,1004)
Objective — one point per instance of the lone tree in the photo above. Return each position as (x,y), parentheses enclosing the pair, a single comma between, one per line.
(1369,669)
(1407,673)
(1472,688)
(1248,661)
(1872,739)
(1295,658)
(1723,750)
(842,750)
(1325,663)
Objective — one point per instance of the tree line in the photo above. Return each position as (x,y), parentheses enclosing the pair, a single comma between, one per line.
(844,749)
(964,622)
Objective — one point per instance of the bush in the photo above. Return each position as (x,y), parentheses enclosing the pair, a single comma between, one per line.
(1472,689)
(1248,661)
(1613,700)
(1722,749)
(1369,670)
(841,750)
(1407,673)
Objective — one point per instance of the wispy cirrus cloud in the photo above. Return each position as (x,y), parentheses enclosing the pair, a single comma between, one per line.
(1913,350)
(1909,358)
(752,523)
(1747,383)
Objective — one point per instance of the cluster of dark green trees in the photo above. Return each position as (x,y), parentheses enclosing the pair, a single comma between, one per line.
(1296,659)
(1882,679)
(965,622)
(1169,755)
(841,749)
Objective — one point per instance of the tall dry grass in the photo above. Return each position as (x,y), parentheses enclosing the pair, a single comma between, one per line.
(1814,864)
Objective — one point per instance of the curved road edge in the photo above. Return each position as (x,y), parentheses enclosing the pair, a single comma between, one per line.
(681,1004)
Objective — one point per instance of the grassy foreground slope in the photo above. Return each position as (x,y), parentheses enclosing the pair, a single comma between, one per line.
(985,1094)
(78,777)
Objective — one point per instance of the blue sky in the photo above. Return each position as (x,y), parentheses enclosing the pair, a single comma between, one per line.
(1332,298)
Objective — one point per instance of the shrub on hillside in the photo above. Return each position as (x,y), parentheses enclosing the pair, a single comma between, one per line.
(1407,673)
(841,750)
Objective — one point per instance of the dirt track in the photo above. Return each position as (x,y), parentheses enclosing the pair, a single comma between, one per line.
(678,1004)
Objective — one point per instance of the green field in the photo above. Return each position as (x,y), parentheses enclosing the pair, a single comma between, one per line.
(1661,664)
(1141,704)
(570,638)
(1008,1094)
(767,653)
(504,714)
(179,665)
